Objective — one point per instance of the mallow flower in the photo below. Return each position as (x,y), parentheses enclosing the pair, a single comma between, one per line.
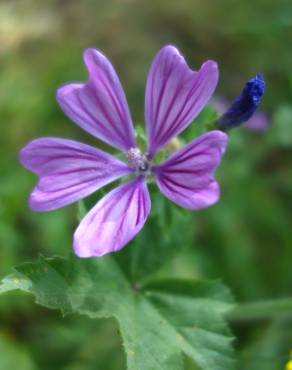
(69,170)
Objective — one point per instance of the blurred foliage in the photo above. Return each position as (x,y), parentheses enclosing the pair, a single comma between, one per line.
(245,239)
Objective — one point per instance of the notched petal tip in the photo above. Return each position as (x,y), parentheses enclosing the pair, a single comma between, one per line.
(99,105)
(82,252)
(169,48)
(220,138)
(210,196)
(88,53)
(210,64)
(35,204)
(211,69)
(22,157)
(64,95)
(175,95)
(91,57)
(187,176)
(68,171)
(28,153)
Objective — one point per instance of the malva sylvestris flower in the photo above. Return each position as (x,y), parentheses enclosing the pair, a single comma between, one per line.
(69,170)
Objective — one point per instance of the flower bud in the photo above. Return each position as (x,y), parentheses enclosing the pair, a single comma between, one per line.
(244,106)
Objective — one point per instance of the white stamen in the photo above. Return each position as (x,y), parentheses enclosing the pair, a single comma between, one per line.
(137,160)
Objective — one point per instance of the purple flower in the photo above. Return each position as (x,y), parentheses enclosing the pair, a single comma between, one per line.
(70,170)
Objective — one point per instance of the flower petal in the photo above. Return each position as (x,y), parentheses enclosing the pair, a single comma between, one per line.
(99,106)
(114,221)
(187,177)
(175,95)
(68,171)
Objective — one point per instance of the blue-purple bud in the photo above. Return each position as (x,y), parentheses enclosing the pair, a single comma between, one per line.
(244,106)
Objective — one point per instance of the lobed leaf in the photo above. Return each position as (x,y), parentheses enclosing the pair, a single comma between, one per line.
(160,322)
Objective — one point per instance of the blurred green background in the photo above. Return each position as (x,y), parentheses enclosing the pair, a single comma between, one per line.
(246,239)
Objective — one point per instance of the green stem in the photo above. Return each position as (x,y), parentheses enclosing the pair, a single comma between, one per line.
(265,310)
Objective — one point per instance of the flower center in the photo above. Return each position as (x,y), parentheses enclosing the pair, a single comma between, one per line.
(138,160)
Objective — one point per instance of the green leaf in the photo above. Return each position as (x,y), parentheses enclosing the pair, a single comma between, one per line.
(160,322)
